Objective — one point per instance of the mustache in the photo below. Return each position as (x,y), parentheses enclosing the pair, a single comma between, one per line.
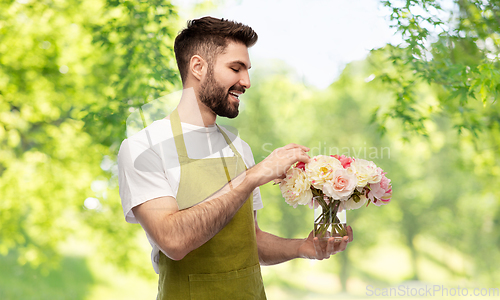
(238,88)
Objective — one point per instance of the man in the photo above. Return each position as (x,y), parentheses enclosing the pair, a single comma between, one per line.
(193,186)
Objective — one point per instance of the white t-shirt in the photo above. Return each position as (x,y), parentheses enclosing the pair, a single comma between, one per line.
(149,166)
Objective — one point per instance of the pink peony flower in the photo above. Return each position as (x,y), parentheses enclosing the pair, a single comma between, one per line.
(380,193)
(344,160)
(341,186)
(301,165)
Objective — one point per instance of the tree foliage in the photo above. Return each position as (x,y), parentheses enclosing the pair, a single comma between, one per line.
(69,71)
(455,49)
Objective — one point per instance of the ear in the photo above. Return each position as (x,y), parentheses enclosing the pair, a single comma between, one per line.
(197,67)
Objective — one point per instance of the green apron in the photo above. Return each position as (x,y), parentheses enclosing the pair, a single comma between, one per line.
(227,266)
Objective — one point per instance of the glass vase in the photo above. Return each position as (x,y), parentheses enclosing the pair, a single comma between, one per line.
(329,219)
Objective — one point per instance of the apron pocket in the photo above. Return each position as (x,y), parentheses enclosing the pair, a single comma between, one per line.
(241,284)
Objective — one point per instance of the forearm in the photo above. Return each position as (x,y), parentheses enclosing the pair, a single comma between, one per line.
(188,229)
(274,250)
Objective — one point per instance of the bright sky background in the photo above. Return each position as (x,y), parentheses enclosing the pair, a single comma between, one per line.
(315,37)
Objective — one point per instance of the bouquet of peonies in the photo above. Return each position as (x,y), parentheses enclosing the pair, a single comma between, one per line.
(336,183)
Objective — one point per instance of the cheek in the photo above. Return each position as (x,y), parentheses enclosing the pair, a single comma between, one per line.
(226,78)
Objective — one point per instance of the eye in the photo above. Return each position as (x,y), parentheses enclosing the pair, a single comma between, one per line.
(235,70)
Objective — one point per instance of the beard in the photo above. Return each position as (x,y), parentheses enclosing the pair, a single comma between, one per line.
(215,97)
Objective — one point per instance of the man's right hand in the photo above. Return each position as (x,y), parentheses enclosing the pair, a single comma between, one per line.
(278,162)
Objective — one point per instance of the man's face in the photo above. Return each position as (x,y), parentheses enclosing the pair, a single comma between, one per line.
(226,80)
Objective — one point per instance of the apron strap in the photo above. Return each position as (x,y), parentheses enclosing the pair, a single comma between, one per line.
(229,142)
(175,122)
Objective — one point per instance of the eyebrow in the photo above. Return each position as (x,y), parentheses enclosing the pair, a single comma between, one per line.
(240,63)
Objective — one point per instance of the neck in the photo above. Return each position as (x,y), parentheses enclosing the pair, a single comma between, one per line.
(194,112)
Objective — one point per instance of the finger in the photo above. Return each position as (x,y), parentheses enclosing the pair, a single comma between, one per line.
(294,155)
(293,145)
(304,158)
(343,244)
(336,245)
(277,181)
(317,248)
(300,155)
(290,146)
(304,148)
(331,247)
(350,234)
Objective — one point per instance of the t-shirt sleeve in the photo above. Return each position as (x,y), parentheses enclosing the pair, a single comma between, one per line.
(140,176)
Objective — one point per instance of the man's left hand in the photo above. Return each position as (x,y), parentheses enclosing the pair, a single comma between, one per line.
(312,248)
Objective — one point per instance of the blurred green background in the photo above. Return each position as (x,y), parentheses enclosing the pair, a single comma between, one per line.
(426,111)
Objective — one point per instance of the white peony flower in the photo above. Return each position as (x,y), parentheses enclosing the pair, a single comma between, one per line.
(320,169)
(366,172)
(296,188)
(351,204)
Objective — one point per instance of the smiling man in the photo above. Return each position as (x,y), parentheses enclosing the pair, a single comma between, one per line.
(194,187)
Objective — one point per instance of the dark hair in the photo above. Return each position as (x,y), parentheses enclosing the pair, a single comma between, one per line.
(209,37)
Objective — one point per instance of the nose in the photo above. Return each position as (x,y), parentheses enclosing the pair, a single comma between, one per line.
(245,79)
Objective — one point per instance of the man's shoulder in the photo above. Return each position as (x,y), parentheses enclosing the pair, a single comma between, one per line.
(152,134)
(157,132)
